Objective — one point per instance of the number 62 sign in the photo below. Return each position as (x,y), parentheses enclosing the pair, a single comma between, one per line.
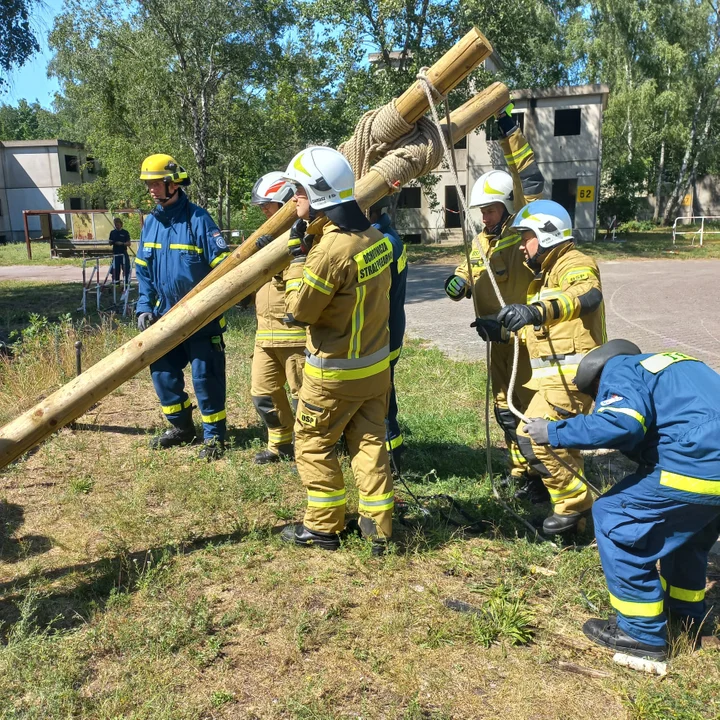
(585,193)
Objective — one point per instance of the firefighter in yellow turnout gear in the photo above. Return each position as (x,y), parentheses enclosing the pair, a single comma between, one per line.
(563,320)
(279,353)
(343,302)
(498,194)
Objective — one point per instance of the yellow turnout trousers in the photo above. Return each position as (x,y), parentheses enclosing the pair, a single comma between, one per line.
(327,410)
(501,365)
(271,367)
(555,400)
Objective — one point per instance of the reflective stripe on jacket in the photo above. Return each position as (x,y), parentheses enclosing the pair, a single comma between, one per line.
(343,300)
(398,285)
(270,309)
(661,410)
(178,247)
(566,278)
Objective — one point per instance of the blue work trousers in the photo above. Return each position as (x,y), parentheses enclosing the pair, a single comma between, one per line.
(393,435)
(206,356)
(636,525)
(121,261)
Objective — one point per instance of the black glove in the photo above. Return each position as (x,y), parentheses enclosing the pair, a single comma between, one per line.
(537,429)
(262,241)
(515,317)
(506,122)
(145,320)
(299,243)
(456,288)
(490,330)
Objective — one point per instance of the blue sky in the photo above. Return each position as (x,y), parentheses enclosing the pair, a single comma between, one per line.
(31,81)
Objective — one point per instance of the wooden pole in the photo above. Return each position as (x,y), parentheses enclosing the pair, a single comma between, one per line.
(488,102)
(73,399)
(447,73)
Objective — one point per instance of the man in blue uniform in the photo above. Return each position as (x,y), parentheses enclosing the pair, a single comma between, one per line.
(120,241)
(661,411)
(398,271)
(179,246)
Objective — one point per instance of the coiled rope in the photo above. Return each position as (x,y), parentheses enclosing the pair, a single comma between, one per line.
(384,142)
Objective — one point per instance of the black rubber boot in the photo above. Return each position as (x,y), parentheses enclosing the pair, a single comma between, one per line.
(212,449)
(265,457)
(175,436)
(368,529)
(565,524)
(609,635)
(300,535)
(532,489)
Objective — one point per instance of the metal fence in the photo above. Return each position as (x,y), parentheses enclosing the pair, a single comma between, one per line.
(694,233)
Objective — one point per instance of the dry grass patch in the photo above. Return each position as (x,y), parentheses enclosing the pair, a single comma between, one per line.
(147,584)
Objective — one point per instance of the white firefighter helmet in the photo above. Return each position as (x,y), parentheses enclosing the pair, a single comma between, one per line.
(549,221)
(325,174)
(272,187)
(492,187)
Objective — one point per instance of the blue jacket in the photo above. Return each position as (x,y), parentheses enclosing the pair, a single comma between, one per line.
(398,273)
(179,245)
(663,411)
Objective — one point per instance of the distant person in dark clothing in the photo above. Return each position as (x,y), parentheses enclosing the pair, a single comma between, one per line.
(120,241)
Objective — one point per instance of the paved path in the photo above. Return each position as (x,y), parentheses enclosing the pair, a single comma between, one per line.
(659,304)
(48,273)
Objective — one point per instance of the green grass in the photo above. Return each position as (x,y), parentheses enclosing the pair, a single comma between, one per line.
(140,584)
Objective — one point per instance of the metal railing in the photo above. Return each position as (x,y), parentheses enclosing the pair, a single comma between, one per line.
(695,232)
(123,304)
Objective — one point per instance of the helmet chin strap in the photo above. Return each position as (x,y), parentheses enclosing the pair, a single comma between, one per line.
(168,195)
(497,228)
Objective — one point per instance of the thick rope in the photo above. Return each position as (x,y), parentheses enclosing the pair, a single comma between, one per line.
(384,142)
(375,134)
(449,157)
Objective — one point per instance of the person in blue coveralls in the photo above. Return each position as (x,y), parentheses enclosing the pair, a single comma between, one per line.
(180,244)
(661,410)
(398,271)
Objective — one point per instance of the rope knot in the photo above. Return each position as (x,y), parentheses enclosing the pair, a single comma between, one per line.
(422,76)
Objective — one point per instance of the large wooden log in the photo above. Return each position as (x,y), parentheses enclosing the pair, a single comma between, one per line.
(447,73)
(370,188)
(73,399)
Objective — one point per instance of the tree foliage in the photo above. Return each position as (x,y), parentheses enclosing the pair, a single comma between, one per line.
(661,59)
(233,88)
(30,121)
(17,39)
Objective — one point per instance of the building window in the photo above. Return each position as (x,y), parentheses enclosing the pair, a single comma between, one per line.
(71,163)
(564,192)
(452,214)
(412,238)
(461,144)
(567,122)
(90,165)
(76,204)
(410,197)
(492,131)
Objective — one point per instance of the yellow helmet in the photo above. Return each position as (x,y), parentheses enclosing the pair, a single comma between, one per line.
(163,167)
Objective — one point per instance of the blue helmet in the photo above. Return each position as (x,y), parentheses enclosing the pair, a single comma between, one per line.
(549,221)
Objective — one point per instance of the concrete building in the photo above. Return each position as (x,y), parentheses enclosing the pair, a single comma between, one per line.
(563,126)
(31,172)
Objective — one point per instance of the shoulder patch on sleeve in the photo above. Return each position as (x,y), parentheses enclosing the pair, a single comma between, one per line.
(218,239)
(611,400)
